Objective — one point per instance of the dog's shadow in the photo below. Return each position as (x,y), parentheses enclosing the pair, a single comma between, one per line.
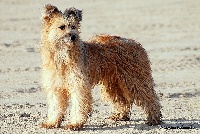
(181,124)
(166,124)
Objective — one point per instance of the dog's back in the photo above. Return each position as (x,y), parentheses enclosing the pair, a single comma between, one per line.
(114,55)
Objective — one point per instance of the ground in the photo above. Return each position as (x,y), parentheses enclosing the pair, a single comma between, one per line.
(168,30)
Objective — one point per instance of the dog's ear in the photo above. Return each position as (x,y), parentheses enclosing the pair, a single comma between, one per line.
(73,12)
(49,12)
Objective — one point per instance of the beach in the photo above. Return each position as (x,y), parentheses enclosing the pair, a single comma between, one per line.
(168,30)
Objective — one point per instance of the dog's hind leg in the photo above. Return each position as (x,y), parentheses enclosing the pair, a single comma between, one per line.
(146,97)
(119,100)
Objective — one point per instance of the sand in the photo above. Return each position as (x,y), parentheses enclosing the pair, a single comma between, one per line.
(168,30)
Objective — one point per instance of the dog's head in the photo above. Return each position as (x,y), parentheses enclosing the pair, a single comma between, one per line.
(61,28)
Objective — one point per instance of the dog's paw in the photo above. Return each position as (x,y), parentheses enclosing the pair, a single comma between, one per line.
(153,122)
(49,126)
(118,117)
(74,127)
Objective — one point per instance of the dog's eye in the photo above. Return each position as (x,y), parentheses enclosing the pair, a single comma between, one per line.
(62,27)
(73,27)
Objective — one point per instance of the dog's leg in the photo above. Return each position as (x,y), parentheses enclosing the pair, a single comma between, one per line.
(152,109)
(121,112)
(119,100)
(153,114)
(57,104)
(147,98)
(81,99)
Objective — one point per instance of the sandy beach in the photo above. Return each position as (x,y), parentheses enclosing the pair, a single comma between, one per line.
(168,30)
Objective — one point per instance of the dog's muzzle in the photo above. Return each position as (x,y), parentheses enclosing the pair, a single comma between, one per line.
(72,37)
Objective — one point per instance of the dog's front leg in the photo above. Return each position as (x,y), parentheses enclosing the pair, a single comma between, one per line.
(81,99)
(57,104)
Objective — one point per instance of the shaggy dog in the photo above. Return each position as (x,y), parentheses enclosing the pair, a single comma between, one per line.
(72,67)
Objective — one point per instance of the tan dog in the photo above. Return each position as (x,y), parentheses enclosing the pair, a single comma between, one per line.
(72,67)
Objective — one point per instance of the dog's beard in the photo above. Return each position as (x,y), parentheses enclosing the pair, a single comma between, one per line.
(62,55)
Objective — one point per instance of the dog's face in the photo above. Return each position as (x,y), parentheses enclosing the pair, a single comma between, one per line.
(61,29)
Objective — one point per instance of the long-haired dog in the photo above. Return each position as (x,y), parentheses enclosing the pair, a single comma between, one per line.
(72,67)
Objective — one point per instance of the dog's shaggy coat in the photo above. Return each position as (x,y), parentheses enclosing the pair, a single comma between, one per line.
(72,67)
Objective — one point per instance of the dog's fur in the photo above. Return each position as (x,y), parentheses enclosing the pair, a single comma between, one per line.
(72,67)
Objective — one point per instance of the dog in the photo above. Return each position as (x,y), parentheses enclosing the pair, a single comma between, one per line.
(72,67)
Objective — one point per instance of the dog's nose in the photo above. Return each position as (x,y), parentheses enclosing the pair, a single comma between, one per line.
(72,37)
